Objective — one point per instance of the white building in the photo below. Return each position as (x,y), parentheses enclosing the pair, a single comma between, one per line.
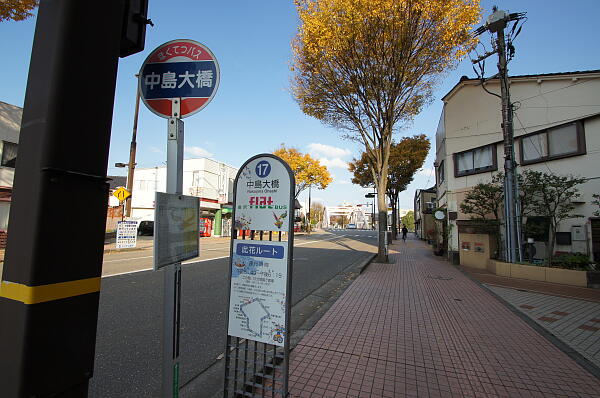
(10,126)
(210,180)
(556,129)
(355,214)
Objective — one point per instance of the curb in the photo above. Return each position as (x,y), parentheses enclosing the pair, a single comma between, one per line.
(131,249)
(562,346)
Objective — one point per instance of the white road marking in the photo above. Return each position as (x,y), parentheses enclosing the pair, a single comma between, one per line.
(150,269)
(315,241)
(126,259)
(197,261)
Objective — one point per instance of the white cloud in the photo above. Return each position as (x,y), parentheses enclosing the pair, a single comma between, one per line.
(329,151)
(344,182)
(335,162)
(197,151)
(155,149)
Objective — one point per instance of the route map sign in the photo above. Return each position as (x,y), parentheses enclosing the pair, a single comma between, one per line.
(182,69)
(258,291)
(260,274)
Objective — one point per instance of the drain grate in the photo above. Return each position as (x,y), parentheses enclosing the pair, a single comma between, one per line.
(439,277)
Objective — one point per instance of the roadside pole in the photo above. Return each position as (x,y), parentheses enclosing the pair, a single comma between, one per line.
(496,23)
(132,152)
(178,79)
(172,273)
(309,222)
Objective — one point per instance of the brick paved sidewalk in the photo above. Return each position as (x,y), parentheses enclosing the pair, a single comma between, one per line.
(575,322)
(420,328)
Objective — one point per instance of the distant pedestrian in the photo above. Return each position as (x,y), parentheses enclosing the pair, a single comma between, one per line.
(404,232)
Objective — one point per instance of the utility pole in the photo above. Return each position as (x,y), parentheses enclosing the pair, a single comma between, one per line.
(49,292)
(132,151)
(496,23)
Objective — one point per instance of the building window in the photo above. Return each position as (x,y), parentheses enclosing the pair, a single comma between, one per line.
(146,185)
(441,172)
(475,161)
(9,154)
(554,143)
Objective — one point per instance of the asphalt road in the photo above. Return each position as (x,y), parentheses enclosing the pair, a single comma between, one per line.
(128,348)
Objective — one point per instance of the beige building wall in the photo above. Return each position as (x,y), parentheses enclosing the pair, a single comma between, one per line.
(472,118)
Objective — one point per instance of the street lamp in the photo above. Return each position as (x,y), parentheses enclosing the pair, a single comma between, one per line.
(372,195)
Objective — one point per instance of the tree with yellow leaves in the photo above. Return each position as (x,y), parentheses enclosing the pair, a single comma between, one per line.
(369,66)
(307,171)
(16,10)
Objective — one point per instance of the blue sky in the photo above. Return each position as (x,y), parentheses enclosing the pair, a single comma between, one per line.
(253,111)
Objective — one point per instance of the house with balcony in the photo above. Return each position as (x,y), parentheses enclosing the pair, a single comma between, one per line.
(424,203)
(556,130)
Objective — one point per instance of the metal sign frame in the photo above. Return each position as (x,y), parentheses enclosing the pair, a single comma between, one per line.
(253,368)
(166,248)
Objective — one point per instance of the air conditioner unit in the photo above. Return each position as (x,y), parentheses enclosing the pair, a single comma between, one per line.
(578,232)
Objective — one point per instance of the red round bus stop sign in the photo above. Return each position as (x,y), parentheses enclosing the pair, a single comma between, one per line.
(182,69)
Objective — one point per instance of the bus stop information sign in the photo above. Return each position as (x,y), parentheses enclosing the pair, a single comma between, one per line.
(260,276)
(178,79)
(182,69)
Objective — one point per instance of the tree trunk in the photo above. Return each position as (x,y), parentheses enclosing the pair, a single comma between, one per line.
(550,245)
(381,203)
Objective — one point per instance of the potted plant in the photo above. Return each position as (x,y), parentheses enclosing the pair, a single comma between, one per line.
(430,233)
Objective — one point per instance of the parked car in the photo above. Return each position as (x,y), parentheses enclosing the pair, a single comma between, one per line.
(146,228)
(351,226)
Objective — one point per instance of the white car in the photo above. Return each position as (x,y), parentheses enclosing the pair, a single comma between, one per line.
(351,226)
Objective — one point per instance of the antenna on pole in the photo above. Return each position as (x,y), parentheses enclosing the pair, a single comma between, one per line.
(496,23)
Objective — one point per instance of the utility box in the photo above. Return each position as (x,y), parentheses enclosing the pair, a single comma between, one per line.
(476,249)
(578,233)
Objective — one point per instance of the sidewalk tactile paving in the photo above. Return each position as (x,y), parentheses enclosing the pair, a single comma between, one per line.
(400,331)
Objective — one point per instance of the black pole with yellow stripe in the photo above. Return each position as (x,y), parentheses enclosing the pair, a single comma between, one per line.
(51,279)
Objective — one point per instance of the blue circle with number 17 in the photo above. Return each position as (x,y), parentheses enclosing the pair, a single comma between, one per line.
(263,168)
